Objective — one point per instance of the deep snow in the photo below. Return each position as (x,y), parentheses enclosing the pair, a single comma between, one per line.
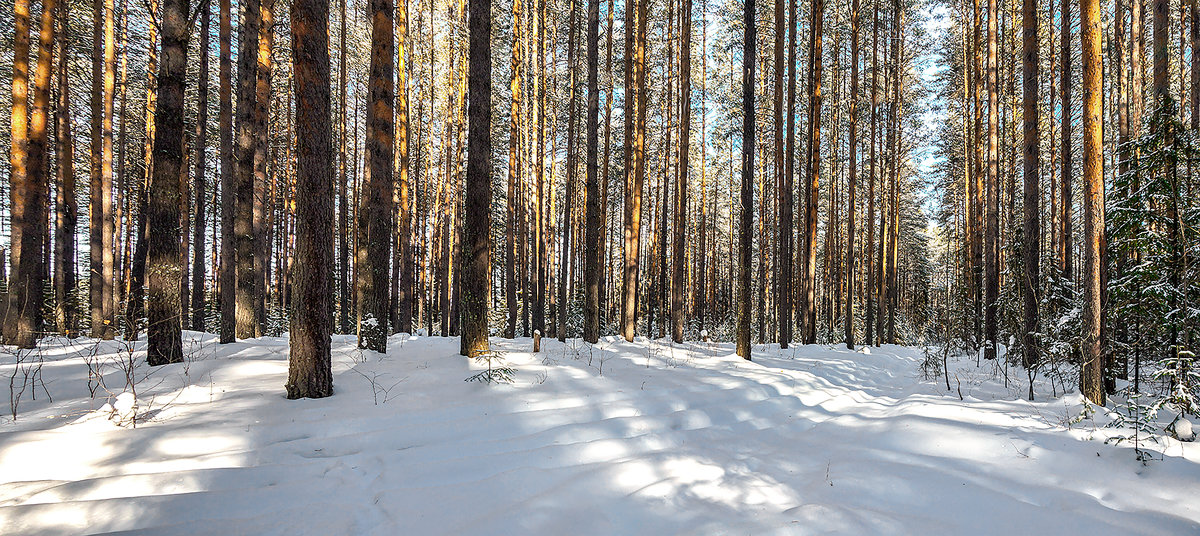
(620,438)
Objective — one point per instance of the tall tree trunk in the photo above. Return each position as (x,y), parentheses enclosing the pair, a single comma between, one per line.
(870,224)
(66,206)
(1065,249)
(565,263)
(198,236)
(163,262)
(1162,30)
(262,108)
(29,179)
(992,218)
(783,283)
(246,316)
(476,236)
(539,209)
(812,173)
(635,53)
(309,370)
(346,134)
(375,211)
(853,178)
(679,262)
(404,295)
(1091,377)
(100,210)
(1032,187)
(514,179)
(593,230)
(746,230)
(227,278)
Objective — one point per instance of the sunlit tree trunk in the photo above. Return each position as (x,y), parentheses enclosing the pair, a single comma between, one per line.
(745,229)
(1091,377)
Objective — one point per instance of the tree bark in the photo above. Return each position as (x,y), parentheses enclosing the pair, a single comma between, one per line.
(1091,377)
(309,370)
(679,261)
(66,206)
(812,173)
(198,235)
(100,209)
(1032,186)
(592,238)
(476,235)
(853,177)
(746,227)
(246,317)
(227,278)
(164,264)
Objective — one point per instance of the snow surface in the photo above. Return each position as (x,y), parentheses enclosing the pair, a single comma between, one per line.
(617,438)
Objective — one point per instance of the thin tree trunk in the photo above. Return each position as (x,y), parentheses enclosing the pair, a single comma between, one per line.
(66,206)
(592,237)
(991,262)
(747,197)
(198,236)
(404,294)
(100,211)
(853,178)
(679,262)
(1032,187)
(1091,376)
(227,278)
(514,178)
(1065,250)
(812,174)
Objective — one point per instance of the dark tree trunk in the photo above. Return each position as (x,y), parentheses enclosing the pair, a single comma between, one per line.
(592,238)
(853,177)
(227,278)
(198,236)
(746,227)
(101,258)
(66,206)
(679,262)
(246,316)
(476,237)
(163,262)
(309,371)
(1032,187)
(404,291)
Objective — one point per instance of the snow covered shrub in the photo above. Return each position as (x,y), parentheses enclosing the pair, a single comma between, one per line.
(1179,372)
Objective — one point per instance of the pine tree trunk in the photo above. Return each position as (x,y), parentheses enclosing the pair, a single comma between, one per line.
(783,284)
(1091,376)
(66,206)
(346,134)
(227,278)
(745,230)
(100,208)
(679,279)
(262,108)
(592,237)
(374,215)
(246,316)
(514,179)
(404,293)
(1065,249)
(853,178)
(992,218)
(198,235)
(812,173)
(635,142)
(476,235)
(164,264)
(1032,188)
(309,370)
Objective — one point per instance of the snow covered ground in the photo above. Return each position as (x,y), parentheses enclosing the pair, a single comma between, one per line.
(619,438)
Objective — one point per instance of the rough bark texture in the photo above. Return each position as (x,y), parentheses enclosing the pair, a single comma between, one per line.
(1091,378)
(404,291)
(101,229)
(476,236)
(1032,187)
(635,172)
(812,175)
(245,315)
(66,206)
(783,283)
(227,278)
(746,227)
(593,230)
(375,211)
(198,235)
(309,371)
(164,264)
(848,322)
(679,258)
(992,276)
(1064,245)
